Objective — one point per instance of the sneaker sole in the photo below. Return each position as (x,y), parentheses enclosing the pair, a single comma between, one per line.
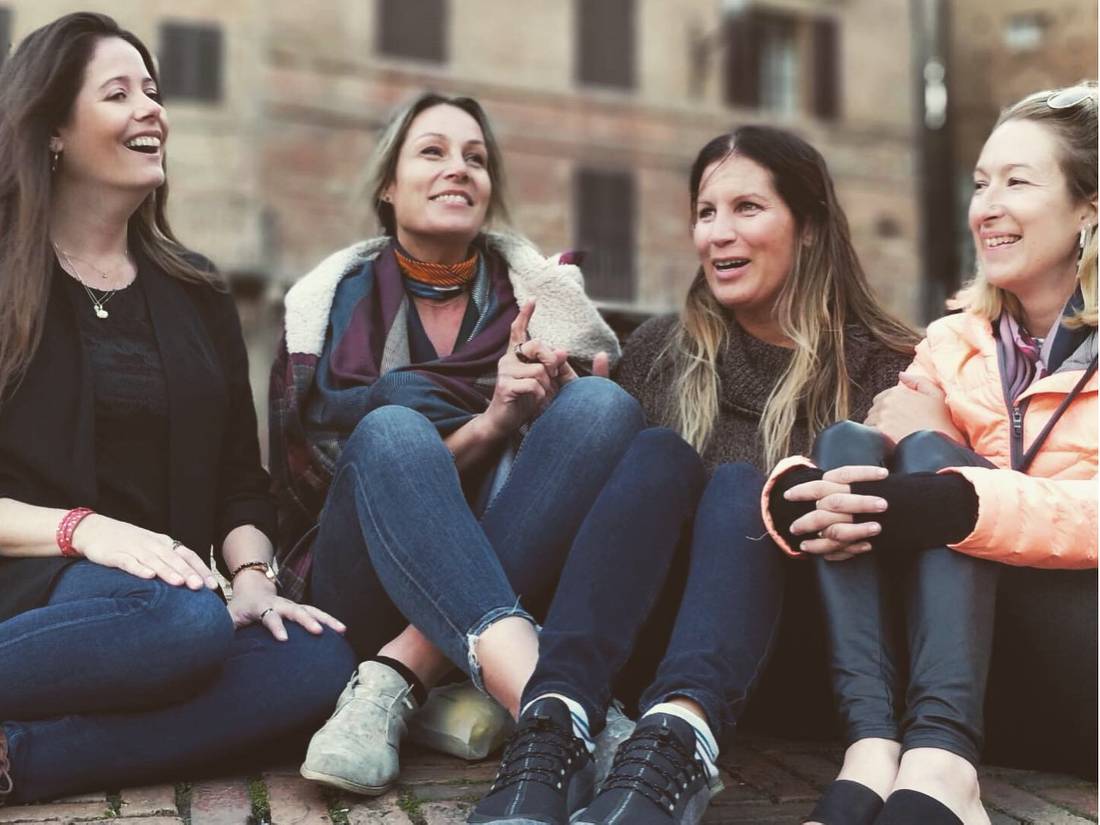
(343,784)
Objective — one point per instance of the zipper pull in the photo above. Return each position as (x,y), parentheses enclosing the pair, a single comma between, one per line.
(1017,423)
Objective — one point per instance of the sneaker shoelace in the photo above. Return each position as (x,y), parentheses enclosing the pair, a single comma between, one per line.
(539,751)
(656,764)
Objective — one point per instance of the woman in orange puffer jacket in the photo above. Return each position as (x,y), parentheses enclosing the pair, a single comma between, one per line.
(984,514)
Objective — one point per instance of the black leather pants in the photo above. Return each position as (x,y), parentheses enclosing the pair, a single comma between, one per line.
(910,634)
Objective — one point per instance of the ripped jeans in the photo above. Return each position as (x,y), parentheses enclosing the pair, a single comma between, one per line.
(399,544)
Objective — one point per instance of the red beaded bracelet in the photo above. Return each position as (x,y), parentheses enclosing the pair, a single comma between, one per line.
(66,529)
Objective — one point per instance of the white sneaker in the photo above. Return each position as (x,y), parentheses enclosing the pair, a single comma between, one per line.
(357,749)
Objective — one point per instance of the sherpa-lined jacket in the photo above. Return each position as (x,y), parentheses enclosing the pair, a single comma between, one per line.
(1046,518)
(564,318)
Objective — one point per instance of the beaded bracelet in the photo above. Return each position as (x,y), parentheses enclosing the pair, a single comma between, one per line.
(66,529)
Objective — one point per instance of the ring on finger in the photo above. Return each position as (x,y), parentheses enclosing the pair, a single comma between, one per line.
(176,544)
(265,612)
(521,357)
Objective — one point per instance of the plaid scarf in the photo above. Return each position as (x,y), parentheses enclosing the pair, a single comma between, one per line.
(317,400)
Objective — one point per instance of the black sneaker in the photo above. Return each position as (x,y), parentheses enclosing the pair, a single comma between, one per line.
(656,778)
(545,773)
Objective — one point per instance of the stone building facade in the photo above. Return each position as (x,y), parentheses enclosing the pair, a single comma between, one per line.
(1002,50)
(600,106)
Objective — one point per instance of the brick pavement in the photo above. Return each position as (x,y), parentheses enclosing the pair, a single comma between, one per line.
(767,781)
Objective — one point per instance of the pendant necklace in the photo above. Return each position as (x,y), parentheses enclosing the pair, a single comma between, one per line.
(99,301)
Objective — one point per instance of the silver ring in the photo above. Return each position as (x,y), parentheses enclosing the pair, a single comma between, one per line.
(523,359)
(265,612)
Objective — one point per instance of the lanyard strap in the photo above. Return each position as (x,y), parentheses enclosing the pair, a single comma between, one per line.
(1033,450)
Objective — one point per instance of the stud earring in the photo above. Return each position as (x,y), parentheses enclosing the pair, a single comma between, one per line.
(55,159)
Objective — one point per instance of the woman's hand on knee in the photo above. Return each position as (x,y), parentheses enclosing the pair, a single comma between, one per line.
(141,552)
(256,601)
(831,530)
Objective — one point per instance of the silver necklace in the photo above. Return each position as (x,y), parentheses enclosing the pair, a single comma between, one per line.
(99,302)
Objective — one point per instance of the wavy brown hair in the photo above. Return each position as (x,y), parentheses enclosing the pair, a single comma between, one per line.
(1075,129)
(825,291)
(38,84)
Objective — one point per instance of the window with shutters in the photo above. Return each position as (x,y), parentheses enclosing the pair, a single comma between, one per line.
(605,215)
(191,60)
(605,43)
(413,29)
(5,33)
(783,63)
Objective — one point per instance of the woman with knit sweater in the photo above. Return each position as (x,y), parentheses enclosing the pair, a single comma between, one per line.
(779,338)
(995,432)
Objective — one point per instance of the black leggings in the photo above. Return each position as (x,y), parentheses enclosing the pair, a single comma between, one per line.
(911,635)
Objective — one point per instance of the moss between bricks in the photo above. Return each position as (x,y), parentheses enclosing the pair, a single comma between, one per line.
(114,803)
(183,801)
(335,805)
(409,803)
(261,804)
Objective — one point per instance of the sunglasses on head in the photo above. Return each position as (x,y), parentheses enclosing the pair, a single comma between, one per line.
(1068,98)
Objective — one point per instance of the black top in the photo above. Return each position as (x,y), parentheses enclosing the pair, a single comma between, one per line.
(49,428)
(131,406)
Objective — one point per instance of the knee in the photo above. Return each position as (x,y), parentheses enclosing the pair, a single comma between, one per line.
(660,447)
(388,436)
(602,402)
(733,494)
(924,450)
(847,442)
(194,623)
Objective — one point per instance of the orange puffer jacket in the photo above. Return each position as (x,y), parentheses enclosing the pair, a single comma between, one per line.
(1046,518)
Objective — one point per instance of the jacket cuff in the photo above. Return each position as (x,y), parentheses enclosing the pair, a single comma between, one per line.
(783,466)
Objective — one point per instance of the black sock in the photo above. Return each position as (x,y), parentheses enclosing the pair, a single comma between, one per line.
(418,690)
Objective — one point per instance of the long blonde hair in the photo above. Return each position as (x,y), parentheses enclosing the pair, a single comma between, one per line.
(825,291)
(1075,128)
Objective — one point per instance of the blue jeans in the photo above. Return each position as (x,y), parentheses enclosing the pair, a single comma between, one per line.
(120,680)
(398,542)
(665,593)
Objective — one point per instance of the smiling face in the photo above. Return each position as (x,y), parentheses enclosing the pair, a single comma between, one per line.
(1024,221)
(116,130)
(441,188)
(744,234)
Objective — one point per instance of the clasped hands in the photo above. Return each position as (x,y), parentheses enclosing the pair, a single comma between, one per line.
(831,530)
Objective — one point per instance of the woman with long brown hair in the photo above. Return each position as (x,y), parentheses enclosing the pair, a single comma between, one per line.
(127,450)
(780,336)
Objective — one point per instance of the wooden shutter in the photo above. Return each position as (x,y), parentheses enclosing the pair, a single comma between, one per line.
(605,42)
(605,216)
(826,63)
(415,29)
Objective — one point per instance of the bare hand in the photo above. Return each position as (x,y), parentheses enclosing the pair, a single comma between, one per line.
(140,552)
(916,403)
(838,537)
(525,386)
(255,600)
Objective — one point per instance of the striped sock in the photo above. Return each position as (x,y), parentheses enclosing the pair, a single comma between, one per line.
(580,717)
(706,748)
